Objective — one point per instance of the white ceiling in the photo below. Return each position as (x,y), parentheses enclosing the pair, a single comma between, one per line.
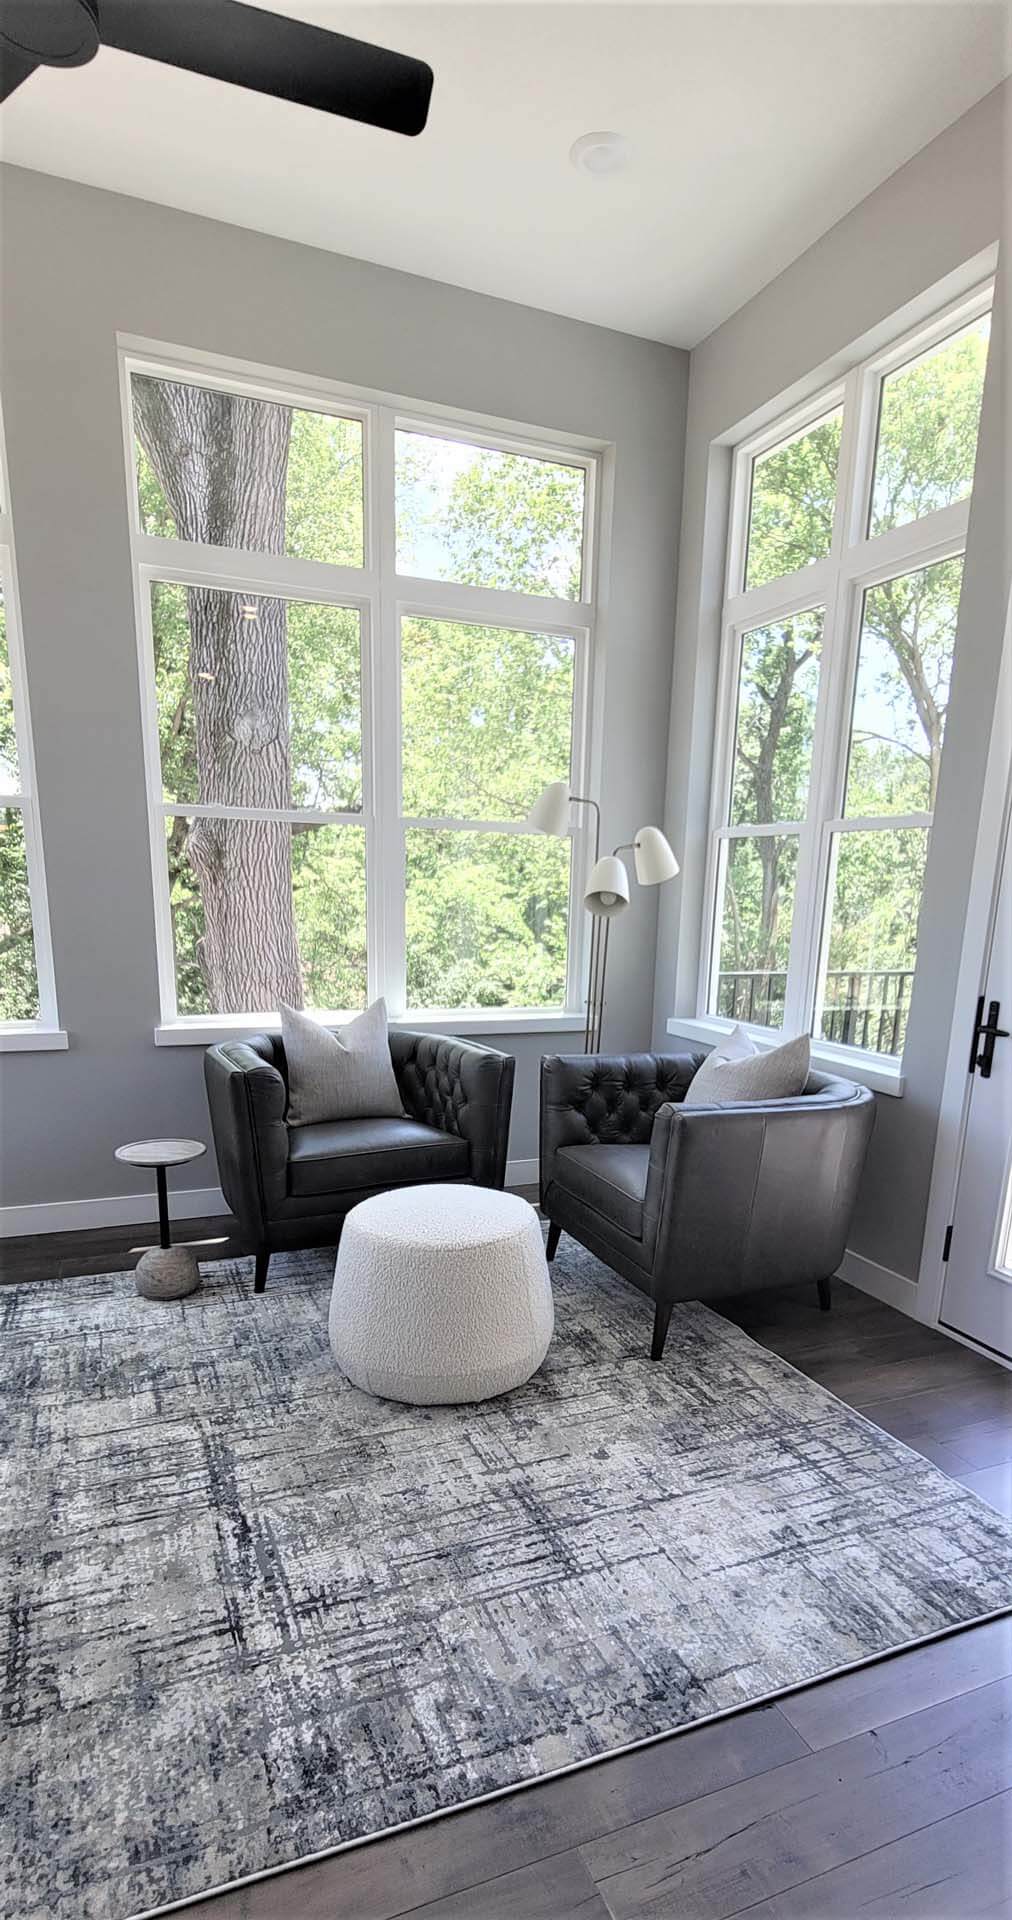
(754,129)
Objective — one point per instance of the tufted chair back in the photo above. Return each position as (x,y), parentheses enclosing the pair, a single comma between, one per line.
(611,1101)
(428,1077)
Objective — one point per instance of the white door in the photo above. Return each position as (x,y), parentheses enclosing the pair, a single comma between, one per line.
(977,1291)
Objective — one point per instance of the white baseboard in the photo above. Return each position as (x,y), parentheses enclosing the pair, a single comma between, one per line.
(881,1282)
(110,1210)
(522,1173)
(140,1209)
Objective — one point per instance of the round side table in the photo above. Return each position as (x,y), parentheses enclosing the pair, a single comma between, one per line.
(164,1272)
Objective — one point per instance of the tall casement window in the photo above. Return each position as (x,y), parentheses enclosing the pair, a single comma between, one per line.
(848,525)
(366,643)
(27,987)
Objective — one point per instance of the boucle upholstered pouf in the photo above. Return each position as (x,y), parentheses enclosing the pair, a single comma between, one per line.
(441,1295)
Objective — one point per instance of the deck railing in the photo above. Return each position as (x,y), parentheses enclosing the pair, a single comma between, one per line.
(861,1008)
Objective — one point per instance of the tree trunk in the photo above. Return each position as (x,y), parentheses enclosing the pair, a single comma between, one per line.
(906,648)
(762,766)
(222,462)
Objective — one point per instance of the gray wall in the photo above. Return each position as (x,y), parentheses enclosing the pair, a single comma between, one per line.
(81,265)
(941,209)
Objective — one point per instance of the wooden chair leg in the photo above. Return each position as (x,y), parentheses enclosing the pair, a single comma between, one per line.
(554,1236)
(263,1261)
(825,1294)
(662,1320)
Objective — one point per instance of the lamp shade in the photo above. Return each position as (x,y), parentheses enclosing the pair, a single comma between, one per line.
(654,859)
(550,812)
(608,887)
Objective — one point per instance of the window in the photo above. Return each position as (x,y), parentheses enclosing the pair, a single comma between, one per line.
(844,572)
(790,522)
(27,986)
(489,518)
(366,648)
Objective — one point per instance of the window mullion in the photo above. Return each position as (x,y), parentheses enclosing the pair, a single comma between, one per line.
(275,576)
(385,860)
(778,599)
(857,460)
(490,606)
(582,839)
(717,858)
(293,816)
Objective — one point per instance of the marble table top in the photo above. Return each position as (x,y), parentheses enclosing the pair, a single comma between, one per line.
(160,1153)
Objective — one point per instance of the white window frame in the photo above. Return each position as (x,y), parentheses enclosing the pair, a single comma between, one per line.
(43,1033)
(382,596)
(837,583)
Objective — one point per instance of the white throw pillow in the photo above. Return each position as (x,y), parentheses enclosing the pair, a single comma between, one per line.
(735,1045)
(731,1076)
(347,1075)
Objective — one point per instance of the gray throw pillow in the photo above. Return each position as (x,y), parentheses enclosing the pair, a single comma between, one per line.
(339,1076)
(778,1075)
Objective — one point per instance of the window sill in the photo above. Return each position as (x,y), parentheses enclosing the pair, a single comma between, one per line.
(868,1069)
(204,1030)
(25,1037)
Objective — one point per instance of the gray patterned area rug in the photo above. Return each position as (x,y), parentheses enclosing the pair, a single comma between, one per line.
(255,1614)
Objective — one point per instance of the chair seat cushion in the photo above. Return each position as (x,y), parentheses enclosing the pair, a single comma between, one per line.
(335,1155)
(612,1180)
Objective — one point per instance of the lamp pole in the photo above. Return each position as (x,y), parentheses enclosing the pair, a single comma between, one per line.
(598,938)
(599,941)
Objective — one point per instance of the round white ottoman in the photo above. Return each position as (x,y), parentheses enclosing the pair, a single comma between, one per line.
(441,1295)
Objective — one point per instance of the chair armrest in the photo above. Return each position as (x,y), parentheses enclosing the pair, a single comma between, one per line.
(248,1098)
(738,1194)
(608,1099)
(462,1088)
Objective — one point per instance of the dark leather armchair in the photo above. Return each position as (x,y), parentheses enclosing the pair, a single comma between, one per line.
(695,1203)
(292,1186)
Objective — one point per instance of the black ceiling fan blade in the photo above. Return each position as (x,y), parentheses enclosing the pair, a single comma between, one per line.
(52,33)
(14,67)
(270,53)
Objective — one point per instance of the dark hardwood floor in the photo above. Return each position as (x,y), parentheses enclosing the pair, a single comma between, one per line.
(885,1793)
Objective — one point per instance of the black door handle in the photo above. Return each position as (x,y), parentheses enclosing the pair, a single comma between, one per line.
(985,1033)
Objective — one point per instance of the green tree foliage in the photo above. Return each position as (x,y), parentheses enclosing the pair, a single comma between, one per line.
(793,497)
(323,520)
(486,718)
(486,919)
(904,668)
(927,438)
(487,518)
(777,694)
(19,986)
(755,935)
(873,931)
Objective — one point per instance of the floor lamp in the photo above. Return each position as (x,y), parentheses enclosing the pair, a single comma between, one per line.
(607,892)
